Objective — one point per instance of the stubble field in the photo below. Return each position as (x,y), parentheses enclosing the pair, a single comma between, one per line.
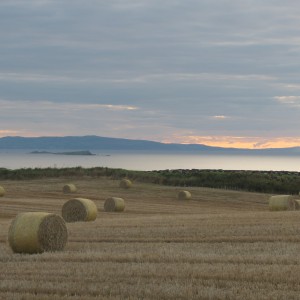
(219,245)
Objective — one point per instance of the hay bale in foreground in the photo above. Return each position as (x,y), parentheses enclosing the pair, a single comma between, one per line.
(125,183)
(79,210)
(184,195)
(282,202)
(2,191)
(69,188)
(36,232)
(114,204)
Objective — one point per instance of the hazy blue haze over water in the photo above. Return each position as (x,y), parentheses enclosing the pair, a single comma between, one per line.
(149,161)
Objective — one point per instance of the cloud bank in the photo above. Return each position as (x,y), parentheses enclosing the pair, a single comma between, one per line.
(148,69)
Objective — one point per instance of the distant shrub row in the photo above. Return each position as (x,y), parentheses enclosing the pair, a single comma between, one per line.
(280,182)
(253,181)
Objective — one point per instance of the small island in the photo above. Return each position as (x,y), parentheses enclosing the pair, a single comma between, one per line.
(85,152)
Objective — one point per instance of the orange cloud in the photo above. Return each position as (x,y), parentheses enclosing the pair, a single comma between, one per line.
(21,132)
(6,132)
(238,142)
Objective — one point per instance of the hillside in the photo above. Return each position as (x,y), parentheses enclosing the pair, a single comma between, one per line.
(105,143)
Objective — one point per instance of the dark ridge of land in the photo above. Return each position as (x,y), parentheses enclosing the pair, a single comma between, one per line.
(64,153)
(274,182)
(77,143)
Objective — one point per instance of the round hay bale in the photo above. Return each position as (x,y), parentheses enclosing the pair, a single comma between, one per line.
(184,195)
(282,202)
(114,204)
(2,191)
(79,210)
(36,232)
(297,204)
(69,188)
(125,183)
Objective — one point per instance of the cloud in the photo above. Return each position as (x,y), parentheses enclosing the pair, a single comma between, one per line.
(32,119)
(5,132)
(220,117)
(292,86)
(118,107)
(132,78)
(47,105)
(125,5)
(293,101)
(149,68)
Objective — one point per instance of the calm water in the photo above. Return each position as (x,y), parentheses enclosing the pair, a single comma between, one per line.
(142,161)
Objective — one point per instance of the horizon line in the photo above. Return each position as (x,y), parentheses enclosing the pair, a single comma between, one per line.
(215,143)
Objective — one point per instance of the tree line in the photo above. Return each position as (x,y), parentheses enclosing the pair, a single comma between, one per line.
(277,182)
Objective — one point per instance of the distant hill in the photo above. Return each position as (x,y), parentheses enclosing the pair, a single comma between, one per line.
(76,143)
(90,142)
(84,152)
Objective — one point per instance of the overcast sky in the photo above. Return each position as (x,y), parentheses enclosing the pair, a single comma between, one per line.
(217,72)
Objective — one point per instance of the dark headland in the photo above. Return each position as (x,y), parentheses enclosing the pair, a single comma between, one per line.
(77,143)
(64,153)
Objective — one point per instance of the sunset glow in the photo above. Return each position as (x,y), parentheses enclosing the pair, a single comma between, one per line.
(214,141)
(6,132)
(239,142)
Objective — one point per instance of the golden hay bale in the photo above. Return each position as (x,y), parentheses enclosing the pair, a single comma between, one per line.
(114,204)
(36,232)
(184,195)
(69,188)
(125,183)
(297,204)
(79,209)
(2,191)
(282,202)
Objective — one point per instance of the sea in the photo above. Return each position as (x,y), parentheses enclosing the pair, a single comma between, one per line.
(148,161)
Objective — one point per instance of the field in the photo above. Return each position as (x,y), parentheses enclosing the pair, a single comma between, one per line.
(220,245)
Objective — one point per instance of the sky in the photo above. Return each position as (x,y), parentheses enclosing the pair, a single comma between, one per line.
(214,72)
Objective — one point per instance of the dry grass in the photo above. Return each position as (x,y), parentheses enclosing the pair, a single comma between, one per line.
(219,245)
